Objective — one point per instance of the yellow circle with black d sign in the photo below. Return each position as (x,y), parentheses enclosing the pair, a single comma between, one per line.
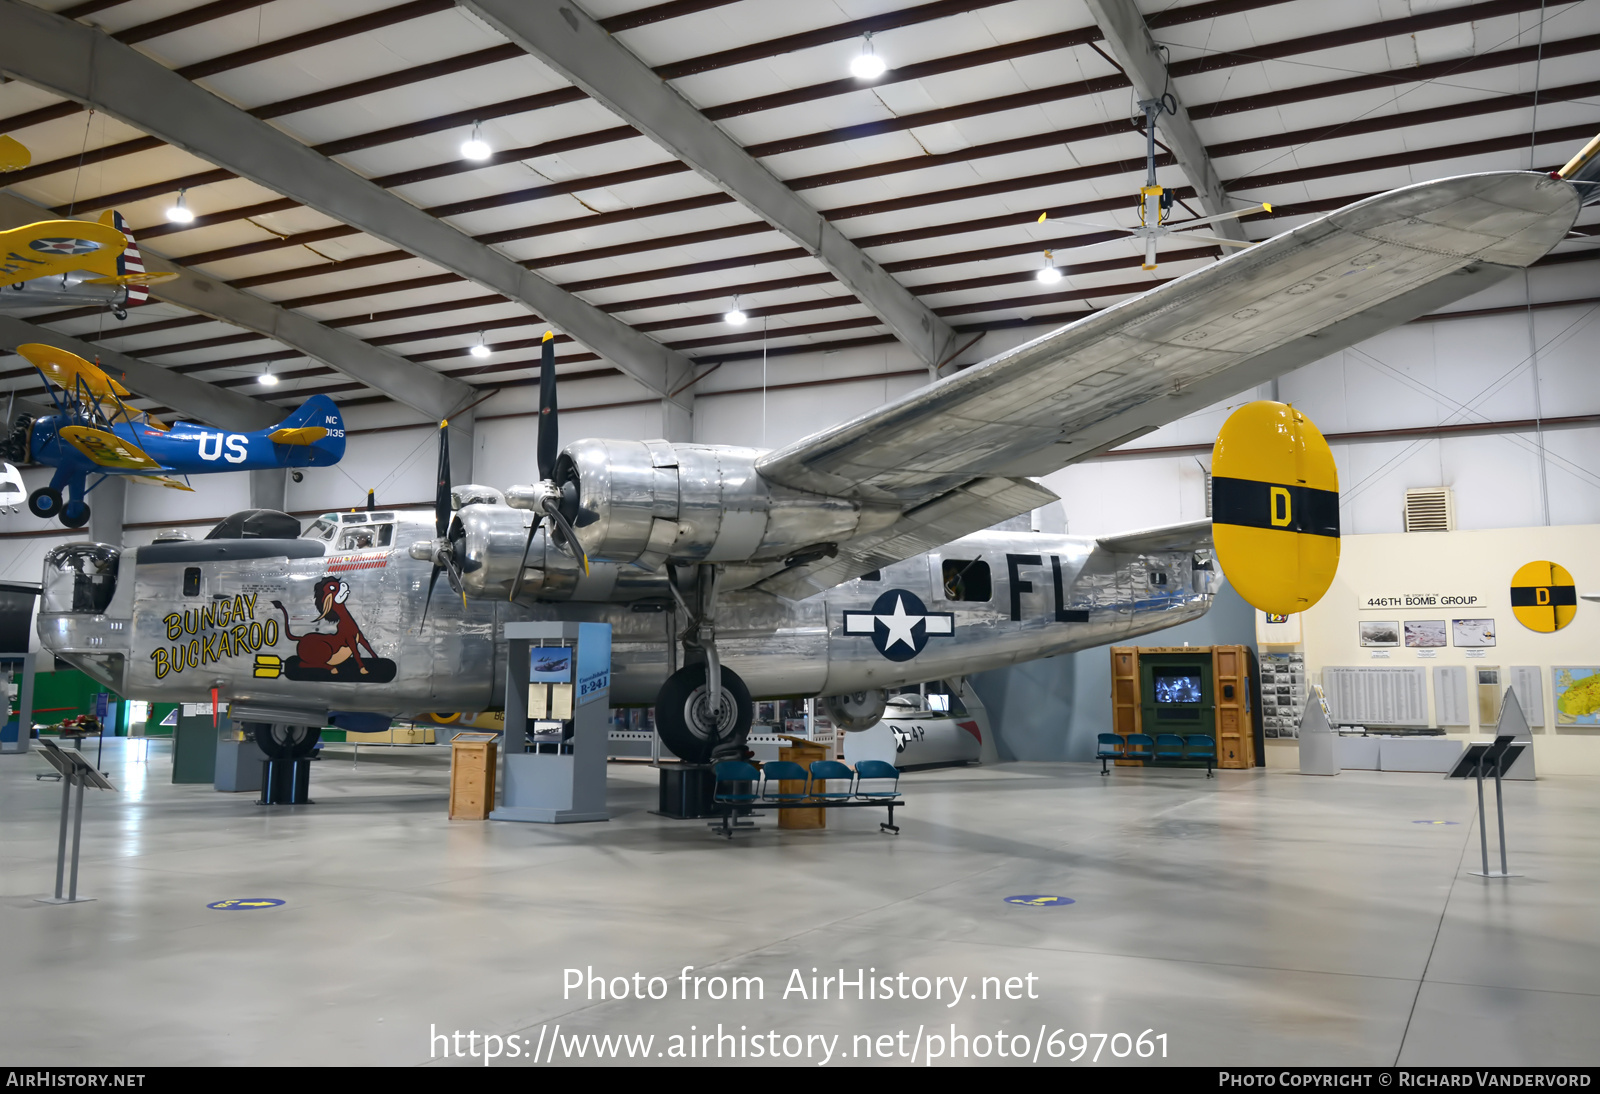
(1275,507)
(1543,596)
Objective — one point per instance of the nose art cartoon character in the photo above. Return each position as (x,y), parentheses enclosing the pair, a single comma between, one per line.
(321,655)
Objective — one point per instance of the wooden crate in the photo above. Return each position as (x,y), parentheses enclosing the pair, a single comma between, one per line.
(472,766)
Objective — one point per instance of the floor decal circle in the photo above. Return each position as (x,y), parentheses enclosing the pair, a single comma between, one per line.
(1435,822)
(245,904)
(1041,901)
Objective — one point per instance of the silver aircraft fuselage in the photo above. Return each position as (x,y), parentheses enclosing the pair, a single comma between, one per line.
(171,622)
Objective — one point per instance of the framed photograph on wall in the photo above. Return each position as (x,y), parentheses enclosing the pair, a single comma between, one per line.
(1472,632)
(1379,633)
(1577,694)
(1426,633)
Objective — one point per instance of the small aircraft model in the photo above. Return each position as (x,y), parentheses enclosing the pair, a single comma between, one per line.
(95,432)
(867,556)
(1155,203)
(67,263)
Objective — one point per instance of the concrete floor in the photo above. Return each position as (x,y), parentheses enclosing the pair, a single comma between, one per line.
(1257,918)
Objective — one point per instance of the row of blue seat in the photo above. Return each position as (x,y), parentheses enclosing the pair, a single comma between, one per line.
(734,775)
(741,787)
(1163,746)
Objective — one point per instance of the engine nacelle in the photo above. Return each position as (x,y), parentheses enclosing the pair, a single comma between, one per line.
(856,711)
(649,502)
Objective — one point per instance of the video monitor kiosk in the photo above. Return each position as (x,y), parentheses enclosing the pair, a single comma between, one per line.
(1176,693)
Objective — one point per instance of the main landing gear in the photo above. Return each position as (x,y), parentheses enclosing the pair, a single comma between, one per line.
(703,711)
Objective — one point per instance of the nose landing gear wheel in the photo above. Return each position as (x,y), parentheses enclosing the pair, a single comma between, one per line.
(75,514)
(685,721)
(45,502)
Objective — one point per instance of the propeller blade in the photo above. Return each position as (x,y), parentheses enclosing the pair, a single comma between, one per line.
(371,504)
(516,586)
(441,493)
(549,445)
(1204,237)
(1264,207)
(568,535)
(1091,225)
(432,581)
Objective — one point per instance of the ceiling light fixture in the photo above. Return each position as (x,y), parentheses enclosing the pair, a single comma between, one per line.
(733,316)
(1049,275)
(867,65)
(475,147)
(180,213)
(481,349)
(267,379)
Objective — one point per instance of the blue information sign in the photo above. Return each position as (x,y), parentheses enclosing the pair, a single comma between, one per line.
(594,661)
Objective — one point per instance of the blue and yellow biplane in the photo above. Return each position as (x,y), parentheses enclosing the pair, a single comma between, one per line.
(94,432)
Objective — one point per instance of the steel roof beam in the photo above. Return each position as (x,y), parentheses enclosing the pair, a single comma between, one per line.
(574,45)
(190,397)
(417,386)
(82,64)
(1128,38)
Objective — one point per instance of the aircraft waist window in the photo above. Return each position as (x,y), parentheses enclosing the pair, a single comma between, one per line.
(872,575)
(191,581)
(967,579)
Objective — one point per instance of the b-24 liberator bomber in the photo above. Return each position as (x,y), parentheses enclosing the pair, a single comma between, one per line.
(863,557)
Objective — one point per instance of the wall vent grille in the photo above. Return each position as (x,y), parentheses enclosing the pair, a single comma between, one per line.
(1430,509)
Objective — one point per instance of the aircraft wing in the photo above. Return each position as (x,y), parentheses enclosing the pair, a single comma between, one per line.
(151,277)
(163,480)
(108,449)
(58,246)
(1193,535)
(1123,372)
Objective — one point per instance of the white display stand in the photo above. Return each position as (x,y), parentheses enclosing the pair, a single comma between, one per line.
(1417,753)
(1356,753)
(1317,741)
(564,781)
(1514,724)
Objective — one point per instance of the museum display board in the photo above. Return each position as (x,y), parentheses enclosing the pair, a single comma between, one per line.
(1427,630)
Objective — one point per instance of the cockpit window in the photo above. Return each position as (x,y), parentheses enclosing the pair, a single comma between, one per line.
(361,539)
(323,529)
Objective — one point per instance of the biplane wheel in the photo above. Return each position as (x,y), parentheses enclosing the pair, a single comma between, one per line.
(684,722)
(284,742)
(75,514)
(119,314)
(44,502)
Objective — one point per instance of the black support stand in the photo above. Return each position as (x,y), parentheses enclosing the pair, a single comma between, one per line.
(1492,760)
(75,772)
(686,791)
(286,782)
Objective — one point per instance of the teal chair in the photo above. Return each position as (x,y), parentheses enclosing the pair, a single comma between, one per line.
(784,771)
(1201,747)
(826,771)
(734,793)
(1169,746)
(877,770)
(1110,749)
(1139,746)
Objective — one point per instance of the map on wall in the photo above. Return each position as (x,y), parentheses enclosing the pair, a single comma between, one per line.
(1577,692)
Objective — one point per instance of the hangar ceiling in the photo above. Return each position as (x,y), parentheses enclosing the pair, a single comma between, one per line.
(835,211)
